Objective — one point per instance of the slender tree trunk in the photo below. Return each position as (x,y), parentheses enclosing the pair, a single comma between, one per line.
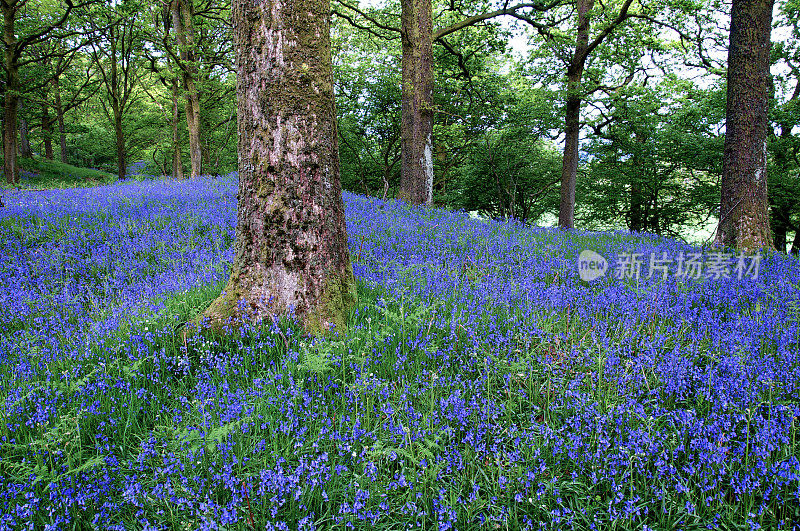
(572,130)
(177,162)
(25,150)
(416,128)
(638,221)
(779,233)
(184,28)
(119,135)
(62,132)
(117,104)
(638,216)
(193,125)
(291,242)
(781,206)
(796,243)
(11,97)
(47,131)
(744,218)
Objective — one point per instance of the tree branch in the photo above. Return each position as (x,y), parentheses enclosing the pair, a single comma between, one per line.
(621,17)
(366,28)
(471,21)
(370,18)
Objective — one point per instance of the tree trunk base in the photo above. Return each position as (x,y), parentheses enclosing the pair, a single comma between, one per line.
(231,310)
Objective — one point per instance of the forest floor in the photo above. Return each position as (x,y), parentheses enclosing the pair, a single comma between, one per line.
(42,174)
(481,382)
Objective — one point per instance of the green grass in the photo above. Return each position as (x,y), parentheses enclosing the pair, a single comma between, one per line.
(38,173)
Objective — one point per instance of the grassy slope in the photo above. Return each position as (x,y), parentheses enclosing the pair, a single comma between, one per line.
(39,173)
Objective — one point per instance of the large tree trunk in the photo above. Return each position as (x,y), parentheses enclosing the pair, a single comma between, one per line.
(572,130)
(744,218)
(291,242)
(11,97)
(184,28)
(416,128)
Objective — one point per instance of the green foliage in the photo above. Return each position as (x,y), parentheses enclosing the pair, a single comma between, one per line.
(656,160)
(511,169)
(498,117)
(784,146)
(367,77)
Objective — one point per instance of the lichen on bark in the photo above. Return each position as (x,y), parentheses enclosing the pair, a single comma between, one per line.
(338,297)
(416,171)
(291,244)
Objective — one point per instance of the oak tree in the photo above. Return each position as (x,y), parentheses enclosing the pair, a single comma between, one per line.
(291,241)
(744,217)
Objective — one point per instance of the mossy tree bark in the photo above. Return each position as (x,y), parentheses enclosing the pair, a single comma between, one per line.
(182,15)
(291,242)
(11,100)
(416,129)
(744,217)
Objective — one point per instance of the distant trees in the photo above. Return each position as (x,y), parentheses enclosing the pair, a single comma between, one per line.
(417,113)
(182,13)
(116,54)
(190,54)
(655,158)
(68,82)
(594,24)
(151,84)
(199,46)
(744,215)
(783,177)
(25,25)
(291,242)
(56,67)
(368,112)
(57,62)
